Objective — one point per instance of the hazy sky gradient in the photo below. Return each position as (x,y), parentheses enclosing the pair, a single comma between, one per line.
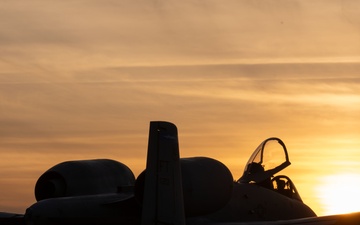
(83,79)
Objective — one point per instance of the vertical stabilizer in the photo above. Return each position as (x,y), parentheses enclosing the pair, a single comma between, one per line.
(163,195)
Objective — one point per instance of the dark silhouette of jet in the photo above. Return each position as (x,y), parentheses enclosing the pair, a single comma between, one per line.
(172,190)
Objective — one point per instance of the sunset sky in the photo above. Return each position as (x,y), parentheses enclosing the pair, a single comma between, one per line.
(83,79)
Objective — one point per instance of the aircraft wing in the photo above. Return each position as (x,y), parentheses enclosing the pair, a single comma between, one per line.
(342,219)
(11,218)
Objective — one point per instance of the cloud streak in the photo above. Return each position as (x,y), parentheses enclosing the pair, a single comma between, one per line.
(85,34)
(82,79)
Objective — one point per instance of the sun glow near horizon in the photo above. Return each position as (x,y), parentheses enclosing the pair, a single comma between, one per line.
(339,193)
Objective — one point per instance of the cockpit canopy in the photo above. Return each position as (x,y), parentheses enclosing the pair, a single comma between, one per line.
(269,158)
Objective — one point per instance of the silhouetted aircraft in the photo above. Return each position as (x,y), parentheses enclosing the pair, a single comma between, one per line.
(172,190)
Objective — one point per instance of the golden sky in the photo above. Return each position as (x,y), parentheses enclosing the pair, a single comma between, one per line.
(83,79)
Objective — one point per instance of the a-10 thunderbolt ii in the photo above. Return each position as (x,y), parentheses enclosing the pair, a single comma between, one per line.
(172,191)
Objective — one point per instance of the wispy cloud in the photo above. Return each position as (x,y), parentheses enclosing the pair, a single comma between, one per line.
(82,79)
(65,36)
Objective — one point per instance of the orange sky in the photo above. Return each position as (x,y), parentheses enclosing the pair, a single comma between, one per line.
(83,79)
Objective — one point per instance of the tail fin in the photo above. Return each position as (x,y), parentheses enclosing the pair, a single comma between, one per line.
(163,194)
